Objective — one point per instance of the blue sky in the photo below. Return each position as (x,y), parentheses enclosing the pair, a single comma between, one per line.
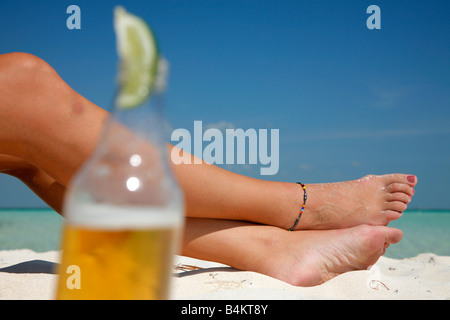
(347,100)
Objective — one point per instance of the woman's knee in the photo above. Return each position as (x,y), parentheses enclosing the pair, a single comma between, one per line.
(26,76)
(21,65)
(23,78)
(27,94)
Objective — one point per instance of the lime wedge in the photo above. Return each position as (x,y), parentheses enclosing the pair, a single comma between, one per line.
(138,53)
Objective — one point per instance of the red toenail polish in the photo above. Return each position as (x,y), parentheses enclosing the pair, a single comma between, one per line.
(411,179)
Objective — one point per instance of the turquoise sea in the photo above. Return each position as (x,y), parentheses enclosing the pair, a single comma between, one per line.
(40,230)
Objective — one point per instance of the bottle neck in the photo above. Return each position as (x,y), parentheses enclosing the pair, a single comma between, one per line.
(132,156)
(146,122)
(130,165)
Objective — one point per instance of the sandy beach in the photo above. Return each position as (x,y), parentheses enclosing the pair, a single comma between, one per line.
(25,274)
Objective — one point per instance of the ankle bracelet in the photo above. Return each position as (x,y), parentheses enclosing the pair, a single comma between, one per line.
(303,206)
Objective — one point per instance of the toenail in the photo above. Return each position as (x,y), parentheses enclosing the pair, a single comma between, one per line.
(411,179)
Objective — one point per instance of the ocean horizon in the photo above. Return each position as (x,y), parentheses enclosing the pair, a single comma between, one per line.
(424,231)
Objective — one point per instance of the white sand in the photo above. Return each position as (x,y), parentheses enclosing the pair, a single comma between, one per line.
(25,274)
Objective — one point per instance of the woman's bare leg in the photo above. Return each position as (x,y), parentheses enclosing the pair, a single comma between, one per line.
(374,200)
(52,130)
(303,258)
(44,186)
(44,122)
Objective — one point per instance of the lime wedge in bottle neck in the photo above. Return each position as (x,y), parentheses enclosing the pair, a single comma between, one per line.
(138,53)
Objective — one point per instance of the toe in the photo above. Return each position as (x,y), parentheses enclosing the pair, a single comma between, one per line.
(396,206)
(397,187)
(393,235)
(411,180)
(390,215)
(398,196)
(389,235)
(408,179)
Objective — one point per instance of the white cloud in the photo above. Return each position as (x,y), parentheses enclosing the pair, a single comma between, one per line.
(387,97)
(359,134)
(221,125)
(305,166)
(355,164)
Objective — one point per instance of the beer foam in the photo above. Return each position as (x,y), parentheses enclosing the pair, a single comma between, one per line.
(124,217)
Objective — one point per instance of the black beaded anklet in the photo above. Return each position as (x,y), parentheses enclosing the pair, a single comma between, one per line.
(303,206)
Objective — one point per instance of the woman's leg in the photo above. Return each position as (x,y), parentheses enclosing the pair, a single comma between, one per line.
(46,123)
(54,130)
(374,200)
(44,186)
(302,258)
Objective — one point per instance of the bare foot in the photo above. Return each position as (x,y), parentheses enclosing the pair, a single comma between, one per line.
(373,200)
(309,258)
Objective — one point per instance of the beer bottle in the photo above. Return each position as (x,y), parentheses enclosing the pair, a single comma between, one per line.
(124,209)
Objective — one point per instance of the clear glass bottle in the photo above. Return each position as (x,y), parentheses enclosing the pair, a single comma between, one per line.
(124,211)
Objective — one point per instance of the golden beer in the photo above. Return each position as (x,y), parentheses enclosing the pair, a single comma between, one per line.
(124,209)
(115,263)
